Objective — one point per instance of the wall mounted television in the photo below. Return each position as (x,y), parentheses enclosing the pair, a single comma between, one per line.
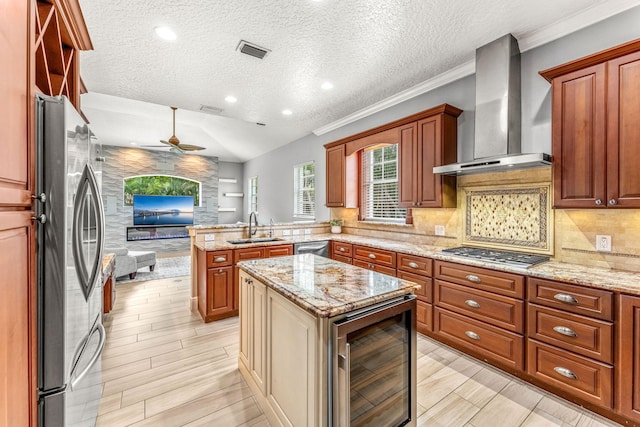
(162,210)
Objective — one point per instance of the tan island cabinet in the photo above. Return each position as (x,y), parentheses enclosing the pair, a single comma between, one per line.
(282,352)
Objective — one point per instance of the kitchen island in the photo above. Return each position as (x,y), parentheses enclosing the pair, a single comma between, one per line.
(325,342)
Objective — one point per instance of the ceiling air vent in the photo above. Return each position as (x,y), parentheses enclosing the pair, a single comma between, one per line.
(210,110)
(252,49)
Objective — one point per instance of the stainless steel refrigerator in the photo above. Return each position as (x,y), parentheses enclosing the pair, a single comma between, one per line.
(69,264)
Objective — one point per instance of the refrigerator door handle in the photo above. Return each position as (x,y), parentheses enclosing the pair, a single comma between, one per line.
(87,184)
(103,336)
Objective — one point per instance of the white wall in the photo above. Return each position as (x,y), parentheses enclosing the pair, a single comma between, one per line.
(275,169)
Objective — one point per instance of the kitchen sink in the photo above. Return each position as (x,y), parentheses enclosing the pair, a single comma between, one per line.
(255,240)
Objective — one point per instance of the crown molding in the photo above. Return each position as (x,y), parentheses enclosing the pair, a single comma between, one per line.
(526,42)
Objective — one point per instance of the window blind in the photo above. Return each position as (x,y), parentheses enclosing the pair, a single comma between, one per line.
(380,193)
(253,194)
(304,194)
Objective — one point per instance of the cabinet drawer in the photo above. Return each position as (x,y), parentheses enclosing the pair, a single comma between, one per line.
(415,264)
(499,282)
(377,256)
(496,310)
(248,253)
(219,258)
(342,249)
(341,258)
(583,335)
(584,378)
(576,299)
(425,293)
(375,267)
(280,250)
(424,317)
(481,339)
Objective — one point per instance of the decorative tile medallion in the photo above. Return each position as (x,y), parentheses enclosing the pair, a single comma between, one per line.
(517,218)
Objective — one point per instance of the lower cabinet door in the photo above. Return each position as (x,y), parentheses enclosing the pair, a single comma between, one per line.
(219,291)
(486,341)
(257,348)
(582,377)
(628,379)
(424,317)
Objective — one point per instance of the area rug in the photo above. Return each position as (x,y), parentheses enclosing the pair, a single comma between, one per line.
(165,268)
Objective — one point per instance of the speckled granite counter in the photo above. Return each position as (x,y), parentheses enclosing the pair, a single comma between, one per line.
(324,287)
(614,280)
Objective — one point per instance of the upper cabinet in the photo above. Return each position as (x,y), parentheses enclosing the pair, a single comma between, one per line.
(425,140)
(596,133)
(429,142)
(60,33)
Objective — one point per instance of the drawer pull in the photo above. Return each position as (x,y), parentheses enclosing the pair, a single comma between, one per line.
(472,303)
(372,256)
(565,298)
(342,249)
(413,265)
(473,278)
(565,372)
(219,259)
(563,330)
(472,335)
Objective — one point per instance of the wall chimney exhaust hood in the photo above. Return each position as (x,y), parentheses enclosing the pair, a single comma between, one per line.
(497,127)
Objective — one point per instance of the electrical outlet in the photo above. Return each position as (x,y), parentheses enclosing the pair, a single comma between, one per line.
(296,232)
(286,233)
(439,230)
(603,243)
(307,231)
(209,237)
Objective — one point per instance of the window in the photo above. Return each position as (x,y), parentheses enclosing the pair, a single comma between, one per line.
(380,184)
(304,193)
(253,194)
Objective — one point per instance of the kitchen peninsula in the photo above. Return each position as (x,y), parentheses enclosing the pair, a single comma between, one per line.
(311,331)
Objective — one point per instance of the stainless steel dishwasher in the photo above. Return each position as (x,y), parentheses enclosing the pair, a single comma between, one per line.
(316,248)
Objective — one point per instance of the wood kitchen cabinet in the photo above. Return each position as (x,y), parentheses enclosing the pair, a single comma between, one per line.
(424,144)
(480,311)
(378,260)
(628,369)
(215,289)
(419,270)
(596,134)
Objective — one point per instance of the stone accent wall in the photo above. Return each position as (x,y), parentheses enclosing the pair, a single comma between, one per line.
(125,162)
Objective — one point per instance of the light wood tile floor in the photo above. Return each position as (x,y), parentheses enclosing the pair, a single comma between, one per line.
(162,366)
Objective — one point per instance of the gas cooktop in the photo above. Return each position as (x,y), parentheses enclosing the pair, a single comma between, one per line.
(514,259)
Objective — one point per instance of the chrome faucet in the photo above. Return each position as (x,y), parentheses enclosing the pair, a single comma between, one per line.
(253,231)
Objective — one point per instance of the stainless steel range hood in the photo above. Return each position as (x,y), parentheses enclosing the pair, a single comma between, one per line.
(497,126)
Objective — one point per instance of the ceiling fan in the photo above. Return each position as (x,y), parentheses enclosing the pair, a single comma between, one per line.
(174,142)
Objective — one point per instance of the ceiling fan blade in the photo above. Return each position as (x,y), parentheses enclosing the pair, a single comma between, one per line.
(176,149)
(166,143)
(189,147)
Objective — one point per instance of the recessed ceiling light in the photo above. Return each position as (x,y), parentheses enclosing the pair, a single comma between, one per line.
(165,33)
(231,99)
(327,85)
(133,143)
(287,112)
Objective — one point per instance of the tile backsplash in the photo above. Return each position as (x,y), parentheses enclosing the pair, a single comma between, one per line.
(570,233)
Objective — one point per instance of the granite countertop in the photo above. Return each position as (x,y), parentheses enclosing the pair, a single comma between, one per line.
(602,278)
(323,287)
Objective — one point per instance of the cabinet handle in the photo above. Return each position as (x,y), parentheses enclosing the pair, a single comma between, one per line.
(473,278)
(413,264)
(372,256)
(598,202)
(565,372)
(563,330)
(472,303)
(219,259)
(565,298)
(472,335)
(612,202)
(219,270)
(342,249)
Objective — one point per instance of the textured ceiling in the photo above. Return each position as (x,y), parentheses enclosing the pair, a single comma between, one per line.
(368,49)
